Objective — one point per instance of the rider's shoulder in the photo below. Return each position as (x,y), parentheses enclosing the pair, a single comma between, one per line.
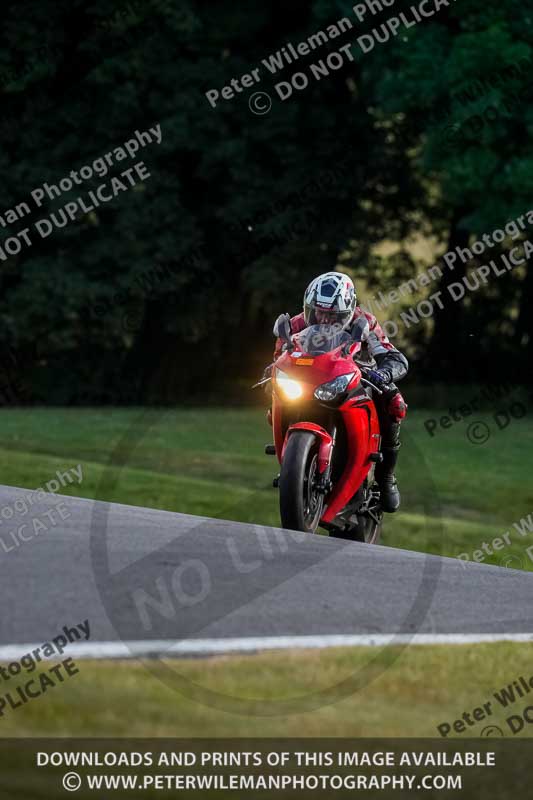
(360,312)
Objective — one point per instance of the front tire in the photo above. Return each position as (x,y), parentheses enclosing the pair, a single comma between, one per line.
(300,504)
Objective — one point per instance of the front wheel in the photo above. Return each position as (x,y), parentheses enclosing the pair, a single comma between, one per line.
(300,504)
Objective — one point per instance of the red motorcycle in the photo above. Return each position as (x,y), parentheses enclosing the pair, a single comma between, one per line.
(326,432)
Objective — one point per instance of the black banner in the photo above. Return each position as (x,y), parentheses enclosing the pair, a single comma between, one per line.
(244,768)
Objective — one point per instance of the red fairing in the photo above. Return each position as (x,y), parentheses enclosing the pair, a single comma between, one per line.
(355,420)
(362,427)
(325,368)
(326,442)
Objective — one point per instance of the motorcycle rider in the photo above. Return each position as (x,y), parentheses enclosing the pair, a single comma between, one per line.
(331,299)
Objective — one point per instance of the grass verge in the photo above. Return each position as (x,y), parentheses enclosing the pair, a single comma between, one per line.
(424,687)
(456,495)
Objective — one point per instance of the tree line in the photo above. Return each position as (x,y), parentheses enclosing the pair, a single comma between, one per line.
(168,293)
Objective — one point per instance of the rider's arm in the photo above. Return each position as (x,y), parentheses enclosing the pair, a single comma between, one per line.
(392,364)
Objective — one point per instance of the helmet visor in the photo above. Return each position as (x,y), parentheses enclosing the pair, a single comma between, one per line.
(314,315)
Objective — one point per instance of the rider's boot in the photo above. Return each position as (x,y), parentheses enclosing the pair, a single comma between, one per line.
(385,477)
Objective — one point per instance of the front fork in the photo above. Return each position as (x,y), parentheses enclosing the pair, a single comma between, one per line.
(324,484)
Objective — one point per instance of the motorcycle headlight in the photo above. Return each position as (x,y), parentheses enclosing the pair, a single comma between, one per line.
(330,390)
(290,388)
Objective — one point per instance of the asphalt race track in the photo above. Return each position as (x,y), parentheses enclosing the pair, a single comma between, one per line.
(139,574)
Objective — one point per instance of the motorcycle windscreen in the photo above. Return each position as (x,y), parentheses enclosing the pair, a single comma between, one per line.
(318,339)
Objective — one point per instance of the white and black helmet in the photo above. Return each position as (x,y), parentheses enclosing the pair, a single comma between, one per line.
(330,298)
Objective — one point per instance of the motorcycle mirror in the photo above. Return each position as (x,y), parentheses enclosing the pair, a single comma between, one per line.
(262,382)
(360,330)
(282,328)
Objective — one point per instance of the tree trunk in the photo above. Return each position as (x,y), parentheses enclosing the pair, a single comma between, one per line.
(524,330)
(449,346)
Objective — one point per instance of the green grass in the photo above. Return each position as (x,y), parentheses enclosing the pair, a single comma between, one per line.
(426,687)
(456,495)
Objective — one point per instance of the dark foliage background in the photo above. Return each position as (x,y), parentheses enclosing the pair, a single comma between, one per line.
(171,289)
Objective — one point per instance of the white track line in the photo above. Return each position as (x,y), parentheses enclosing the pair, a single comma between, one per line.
(171,648)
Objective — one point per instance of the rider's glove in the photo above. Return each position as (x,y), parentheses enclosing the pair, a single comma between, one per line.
(379,377)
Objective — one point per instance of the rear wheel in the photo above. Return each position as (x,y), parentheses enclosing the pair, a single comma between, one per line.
(366,524)
(367,528)
(299,503)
